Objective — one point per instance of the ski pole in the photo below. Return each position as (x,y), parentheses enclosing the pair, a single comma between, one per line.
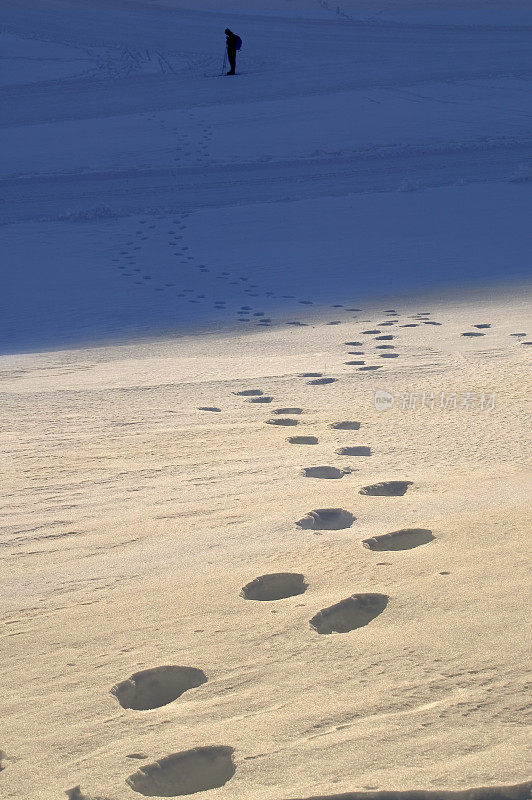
(225,61)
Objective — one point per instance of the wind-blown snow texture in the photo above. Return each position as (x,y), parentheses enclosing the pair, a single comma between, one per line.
(363,150)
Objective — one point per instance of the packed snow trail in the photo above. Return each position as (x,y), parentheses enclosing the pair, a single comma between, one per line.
(193,188)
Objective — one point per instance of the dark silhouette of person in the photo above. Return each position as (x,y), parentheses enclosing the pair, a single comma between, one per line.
(232,47)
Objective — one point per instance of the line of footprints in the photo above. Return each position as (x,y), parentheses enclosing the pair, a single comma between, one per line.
(175,265)
(142,247)
(204,768)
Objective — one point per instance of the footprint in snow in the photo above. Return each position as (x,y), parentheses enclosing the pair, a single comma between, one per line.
(303,440)
(328,473)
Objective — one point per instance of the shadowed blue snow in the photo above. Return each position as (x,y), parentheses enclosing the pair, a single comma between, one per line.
(358,154)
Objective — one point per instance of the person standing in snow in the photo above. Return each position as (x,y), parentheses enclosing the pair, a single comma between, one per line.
(234,43)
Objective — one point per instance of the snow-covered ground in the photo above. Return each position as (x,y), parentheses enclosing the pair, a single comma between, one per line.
(348,157)
(265,338)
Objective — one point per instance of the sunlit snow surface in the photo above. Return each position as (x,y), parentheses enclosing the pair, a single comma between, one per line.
(363,150)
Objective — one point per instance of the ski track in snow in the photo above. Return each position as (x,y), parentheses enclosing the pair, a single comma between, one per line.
(230,184)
